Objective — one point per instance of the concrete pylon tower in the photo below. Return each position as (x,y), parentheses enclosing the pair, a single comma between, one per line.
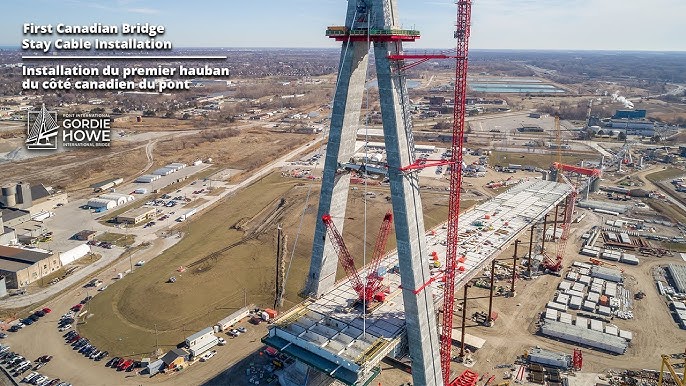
(376,22)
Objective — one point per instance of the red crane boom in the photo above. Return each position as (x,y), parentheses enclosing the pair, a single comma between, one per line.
(464,12)
(372,284)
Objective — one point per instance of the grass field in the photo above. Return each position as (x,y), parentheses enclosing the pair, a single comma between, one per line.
(668,210)
(666,174)
(118,239)
(542,161)
(126,314)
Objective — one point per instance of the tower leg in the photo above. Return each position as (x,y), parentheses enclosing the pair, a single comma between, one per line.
(408,220)
(333,198)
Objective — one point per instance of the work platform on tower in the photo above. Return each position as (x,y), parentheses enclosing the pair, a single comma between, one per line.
(327,333)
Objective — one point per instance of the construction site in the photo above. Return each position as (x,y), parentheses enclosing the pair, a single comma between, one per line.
(401,308)
(371,223)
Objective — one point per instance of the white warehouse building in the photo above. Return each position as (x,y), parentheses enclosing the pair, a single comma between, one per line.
(148,178)
(164,171)
(102,203)
(120,199)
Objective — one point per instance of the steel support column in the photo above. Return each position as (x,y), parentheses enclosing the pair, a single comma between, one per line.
(557,207)
(514,267)
(545,224)
(489,321)
(531,248)
(464,320)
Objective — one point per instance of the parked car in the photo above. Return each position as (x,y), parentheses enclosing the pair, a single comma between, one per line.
(28,378)
(77,307)
(242,329)
(222,341)
(208,355)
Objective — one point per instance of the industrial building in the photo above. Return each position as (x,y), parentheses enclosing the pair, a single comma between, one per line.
(16,226)
(549,358)
(7,234)
(109,201)
(584,336)
(120,199)
(34,198)
(147,178)
(21,266)
(677,274)
(74,254)
(642,127)
(164,171)
(107,184)
(137,215)
(101,204)
(327,333)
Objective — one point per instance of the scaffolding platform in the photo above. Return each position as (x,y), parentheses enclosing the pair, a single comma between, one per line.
(340,34)
(333,336)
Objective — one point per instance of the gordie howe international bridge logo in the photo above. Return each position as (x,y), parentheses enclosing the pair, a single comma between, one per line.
(41,129)
(78,130)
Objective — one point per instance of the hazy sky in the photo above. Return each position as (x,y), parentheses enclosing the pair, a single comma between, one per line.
(496,24)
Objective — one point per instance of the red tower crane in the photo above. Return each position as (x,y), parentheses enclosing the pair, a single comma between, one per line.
(368,289)
(464,13)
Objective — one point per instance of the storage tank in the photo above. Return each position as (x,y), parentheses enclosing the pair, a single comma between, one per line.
(24,195)
(9,196)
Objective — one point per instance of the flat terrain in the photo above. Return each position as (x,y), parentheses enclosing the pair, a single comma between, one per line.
(210,284)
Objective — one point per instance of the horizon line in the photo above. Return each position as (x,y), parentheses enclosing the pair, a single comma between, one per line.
(18,48)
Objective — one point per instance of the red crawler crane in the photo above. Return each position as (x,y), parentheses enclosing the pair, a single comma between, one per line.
(464,13)
(367,290)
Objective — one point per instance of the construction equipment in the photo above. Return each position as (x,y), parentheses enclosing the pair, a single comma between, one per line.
(675,378)
(548,262)
(369,289)
(577,359)
(464,13)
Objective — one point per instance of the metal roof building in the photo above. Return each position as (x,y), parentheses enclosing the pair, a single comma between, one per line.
(584,336)
(678,275)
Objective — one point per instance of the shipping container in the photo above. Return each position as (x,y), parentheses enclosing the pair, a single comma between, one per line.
(604,300)
(612,330)
(272,313)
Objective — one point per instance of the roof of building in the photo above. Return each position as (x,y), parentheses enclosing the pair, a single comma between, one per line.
(173,354)
(23,255)
(13,266)
(203,332)
(678,273)
(9,214)
(100,184)
(38,192)
(142,211)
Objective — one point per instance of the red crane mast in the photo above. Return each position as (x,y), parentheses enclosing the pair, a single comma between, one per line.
(464,12)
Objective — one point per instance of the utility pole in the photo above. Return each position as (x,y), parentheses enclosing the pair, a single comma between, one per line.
(280,265)
(157,343)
